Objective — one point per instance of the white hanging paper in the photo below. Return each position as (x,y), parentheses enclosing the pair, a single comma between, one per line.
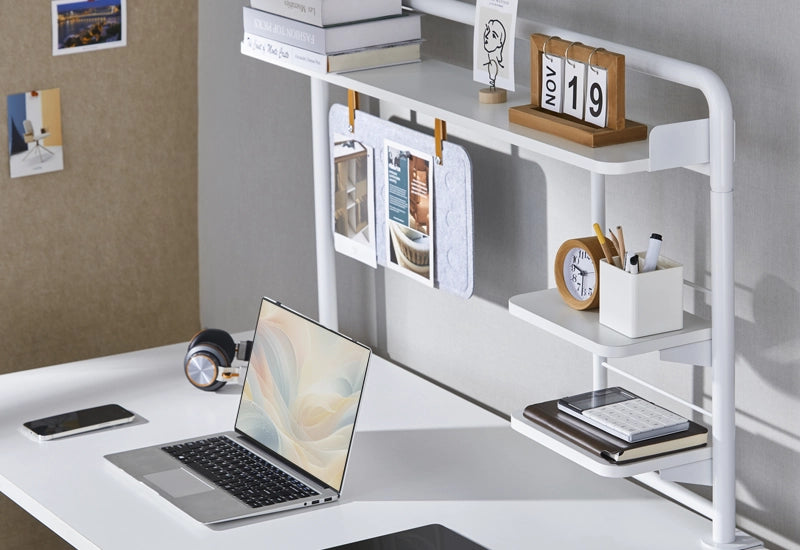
(493,43)
(596,97)
(574,88)
(552,82)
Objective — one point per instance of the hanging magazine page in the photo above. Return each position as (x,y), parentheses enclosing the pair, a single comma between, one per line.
(353,199)
(409,216)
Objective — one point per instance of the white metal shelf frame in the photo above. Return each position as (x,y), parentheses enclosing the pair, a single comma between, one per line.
(719,167)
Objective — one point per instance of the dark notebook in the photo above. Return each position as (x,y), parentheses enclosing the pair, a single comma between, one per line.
(427,537)
(606,445)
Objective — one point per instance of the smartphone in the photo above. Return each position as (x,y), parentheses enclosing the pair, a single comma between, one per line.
(75,422)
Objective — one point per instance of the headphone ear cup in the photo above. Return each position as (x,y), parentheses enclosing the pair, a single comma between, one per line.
(209,351)
(219,338)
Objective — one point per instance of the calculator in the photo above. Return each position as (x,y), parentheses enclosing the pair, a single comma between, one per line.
(623,414)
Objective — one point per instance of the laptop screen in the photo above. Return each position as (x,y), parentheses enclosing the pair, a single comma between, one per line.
(302,391)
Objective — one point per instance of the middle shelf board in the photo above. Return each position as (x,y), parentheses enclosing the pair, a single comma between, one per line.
(448,92)
(545,309)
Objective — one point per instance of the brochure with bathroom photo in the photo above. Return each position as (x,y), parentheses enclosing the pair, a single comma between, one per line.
(409,216)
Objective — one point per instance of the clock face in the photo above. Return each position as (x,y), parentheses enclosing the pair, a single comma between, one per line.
(580,277)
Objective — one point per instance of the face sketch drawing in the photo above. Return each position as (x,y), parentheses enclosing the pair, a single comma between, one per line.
(494,40)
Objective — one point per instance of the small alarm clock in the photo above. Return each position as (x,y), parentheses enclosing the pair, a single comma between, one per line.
(577,272)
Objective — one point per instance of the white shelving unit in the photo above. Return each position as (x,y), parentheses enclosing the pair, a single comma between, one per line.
(447,92)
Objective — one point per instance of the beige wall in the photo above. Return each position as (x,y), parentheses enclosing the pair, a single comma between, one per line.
(101,257)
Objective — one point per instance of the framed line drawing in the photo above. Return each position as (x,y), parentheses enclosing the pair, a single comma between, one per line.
(88,25)
(493,43)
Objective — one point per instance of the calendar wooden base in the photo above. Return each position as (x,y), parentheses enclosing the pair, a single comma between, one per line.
(567,127)
(492,95)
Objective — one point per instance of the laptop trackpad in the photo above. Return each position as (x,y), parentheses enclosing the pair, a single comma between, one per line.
(179,483)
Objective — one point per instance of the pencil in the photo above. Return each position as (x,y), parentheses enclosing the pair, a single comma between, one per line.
(603,244)
(621,240)
(615,249)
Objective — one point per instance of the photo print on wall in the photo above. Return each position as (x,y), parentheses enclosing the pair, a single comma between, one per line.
(88,26)
(34,132)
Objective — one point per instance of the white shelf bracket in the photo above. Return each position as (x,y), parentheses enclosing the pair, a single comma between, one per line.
(679,144)
(697,353)
(698,473)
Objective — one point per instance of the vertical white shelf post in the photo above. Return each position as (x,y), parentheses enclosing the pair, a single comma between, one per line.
(323,218)
(598,206)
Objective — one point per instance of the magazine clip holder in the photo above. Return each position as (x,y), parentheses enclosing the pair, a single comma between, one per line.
(352,107)
(439,135)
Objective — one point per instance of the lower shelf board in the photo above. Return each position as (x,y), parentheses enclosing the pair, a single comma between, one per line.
(598,464)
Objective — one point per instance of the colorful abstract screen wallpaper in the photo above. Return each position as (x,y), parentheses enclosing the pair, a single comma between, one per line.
(302,392)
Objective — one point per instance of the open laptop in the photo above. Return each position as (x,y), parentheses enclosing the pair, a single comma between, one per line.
(297,411)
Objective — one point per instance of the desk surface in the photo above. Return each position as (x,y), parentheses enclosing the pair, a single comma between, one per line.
(421,455)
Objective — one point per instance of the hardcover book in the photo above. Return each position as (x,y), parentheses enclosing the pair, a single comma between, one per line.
(336,38)
(329,12)
(588,437)
(298,58)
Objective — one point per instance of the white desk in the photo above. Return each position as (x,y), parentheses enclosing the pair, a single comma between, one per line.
(421,455)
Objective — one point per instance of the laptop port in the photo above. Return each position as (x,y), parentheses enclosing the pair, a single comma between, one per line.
(328,499)
(314,502)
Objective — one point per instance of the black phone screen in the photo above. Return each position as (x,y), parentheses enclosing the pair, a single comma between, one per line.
(76,420)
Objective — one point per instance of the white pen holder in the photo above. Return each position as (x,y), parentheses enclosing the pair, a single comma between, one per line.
(642,304)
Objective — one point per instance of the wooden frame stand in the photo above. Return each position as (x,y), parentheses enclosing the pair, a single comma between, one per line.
(617,130)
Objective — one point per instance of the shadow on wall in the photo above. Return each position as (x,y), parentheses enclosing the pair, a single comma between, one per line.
(770,344)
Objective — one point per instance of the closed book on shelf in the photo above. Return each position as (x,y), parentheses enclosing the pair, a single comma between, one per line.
(329,12)
(588,437)
(336,38)
(279,53)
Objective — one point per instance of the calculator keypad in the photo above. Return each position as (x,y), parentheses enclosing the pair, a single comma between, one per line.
(636,418)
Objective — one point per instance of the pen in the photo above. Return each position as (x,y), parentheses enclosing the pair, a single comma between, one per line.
(603,244)
(653,250)
(632,266)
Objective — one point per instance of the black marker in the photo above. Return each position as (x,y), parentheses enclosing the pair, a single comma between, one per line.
(633,264)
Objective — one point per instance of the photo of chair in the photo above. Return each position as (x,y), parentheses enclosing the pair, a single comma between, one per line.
(32,137)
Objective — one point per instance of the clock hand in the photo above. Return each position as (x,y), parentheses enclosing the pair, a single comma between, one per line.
(582,272)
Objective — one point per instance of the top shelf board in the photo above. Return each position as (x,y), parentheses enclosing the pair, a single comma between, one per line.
(447,92)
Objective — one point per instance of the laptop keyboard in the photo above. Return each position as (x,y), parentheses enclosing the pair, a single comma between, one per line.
(239,471)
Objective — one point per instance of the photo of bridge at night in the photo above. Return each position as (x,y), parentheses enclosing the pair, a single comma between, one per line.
(91,25)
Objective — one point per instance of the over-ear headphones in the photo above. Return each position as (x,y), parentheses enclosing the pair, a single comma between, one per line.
(209,361)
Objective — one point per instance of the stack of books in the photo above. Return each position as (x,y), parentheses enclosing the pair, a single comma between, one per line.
(332,35)
(584,421)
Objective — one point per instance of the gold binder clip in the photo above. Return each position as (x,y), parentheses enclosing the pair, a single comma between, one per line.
(352,107)
(439,135)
